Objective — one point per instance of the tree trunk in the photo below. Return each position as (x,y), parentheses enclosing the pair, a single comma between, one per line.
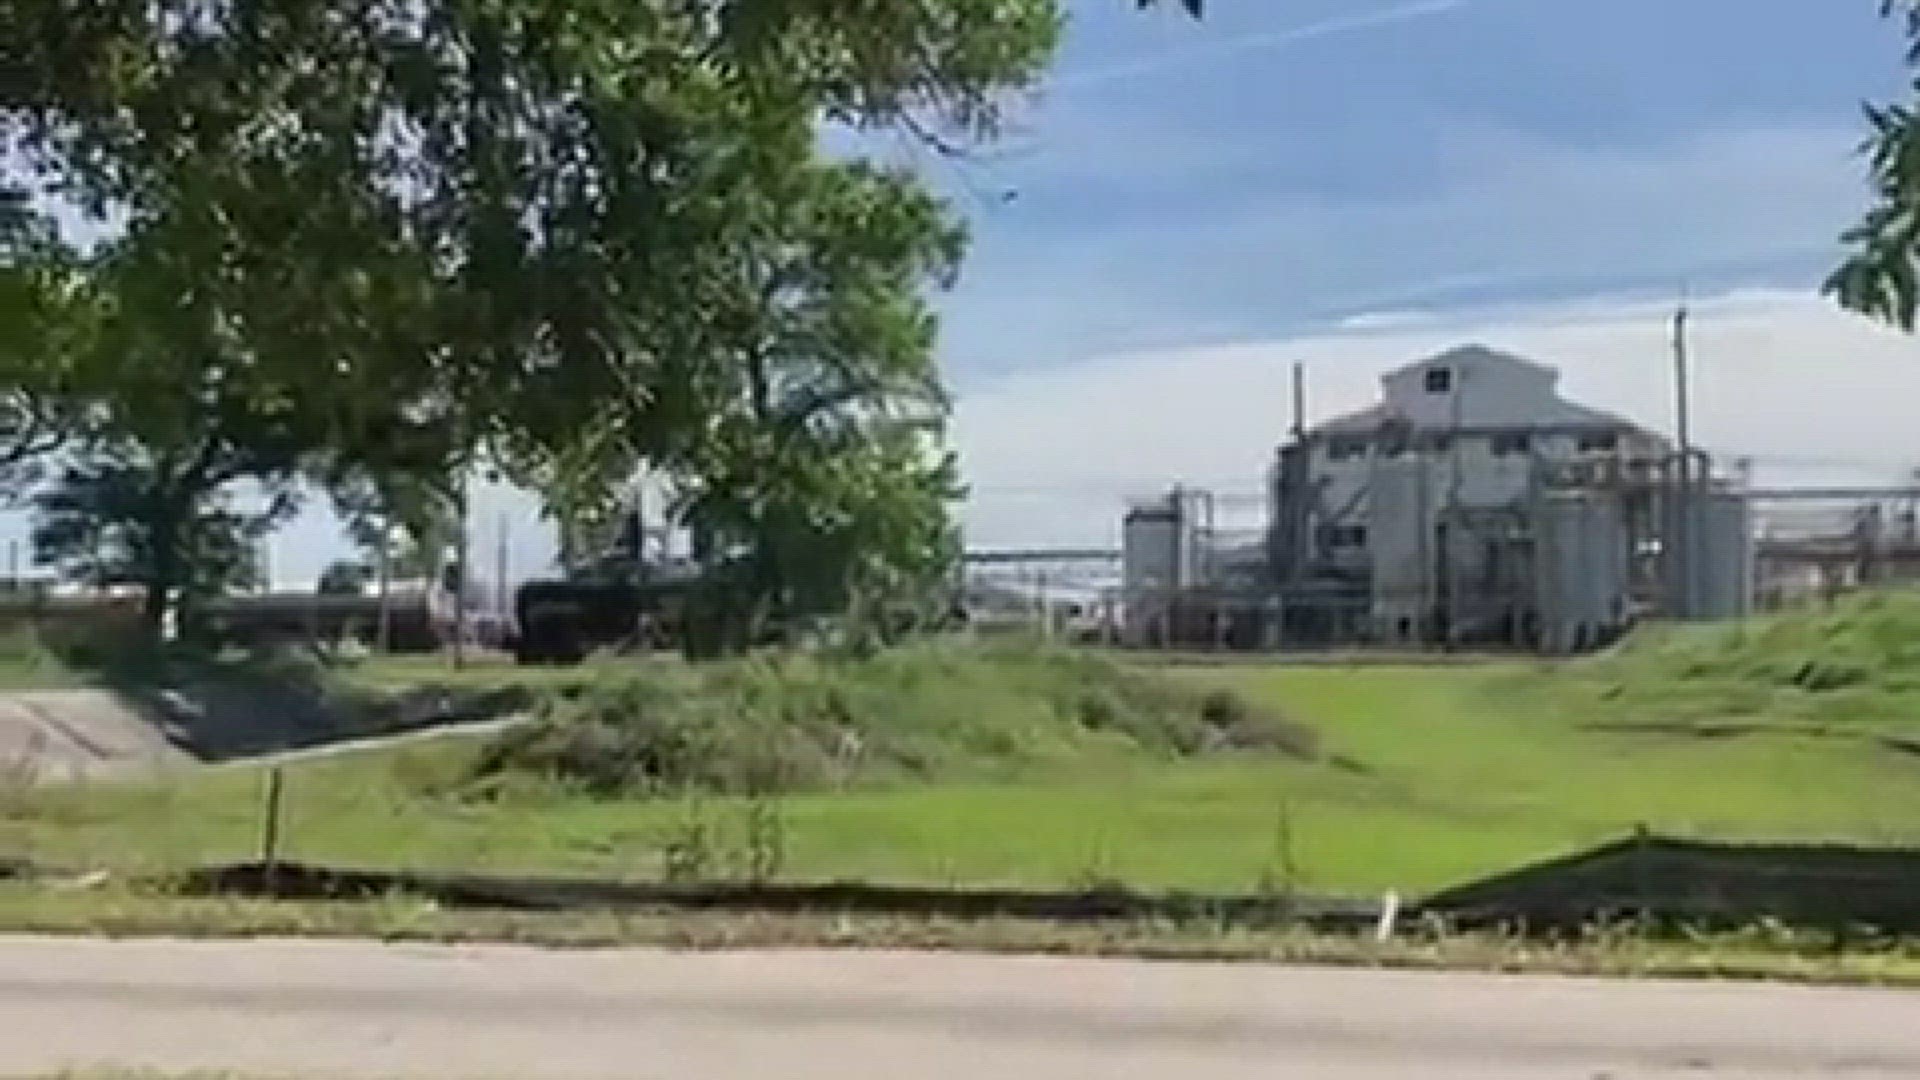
(153,613)
(163,575)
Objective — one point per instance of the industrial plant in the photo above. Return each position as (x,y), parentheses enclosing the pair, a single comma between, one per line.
(1472,507)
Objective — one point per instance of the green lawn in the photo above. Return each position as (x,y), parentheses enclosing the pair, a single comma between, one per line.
(1433,775)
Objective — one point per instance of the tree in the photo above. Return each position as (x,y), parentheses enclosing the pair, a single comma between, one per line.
(1881,276)
(407,520)
(49,313)
(171,431)
(491,200)
(161,521)
(546,229)
(852,522)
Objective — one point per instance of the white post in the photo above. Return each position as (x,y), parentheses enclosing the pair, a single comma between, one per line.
(1389,917)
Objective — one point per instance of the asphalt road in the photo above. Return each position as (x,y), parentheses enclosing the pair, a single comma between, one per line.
(337,1009)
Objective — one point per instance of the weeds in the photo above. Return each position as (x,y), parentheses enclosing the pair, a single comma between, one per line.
(699,848)
(687,856)
(774,725)
(1280,877)
(766,841)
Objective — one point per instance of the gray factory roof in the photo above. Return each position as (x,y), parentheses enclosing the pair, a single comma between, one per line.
(1546,409)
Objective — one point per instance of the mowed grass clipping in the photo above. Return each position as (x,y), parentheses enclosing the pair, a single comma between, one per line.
(1421,777)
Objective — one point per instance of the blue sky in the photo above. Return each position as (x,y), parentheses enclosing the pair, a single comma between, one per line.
(1288,163)
(1187,208)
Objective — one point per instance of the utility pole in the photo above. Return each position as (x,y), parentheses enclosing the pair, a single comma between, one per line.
(1681,404)
(1299,401)
(1679,529)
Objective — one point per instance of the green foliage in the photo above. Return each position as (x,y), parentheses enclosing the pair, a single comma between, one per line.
(1881,276)
(50,314)
(765,725)
(127,515)
(407,515)
(1857,658)
(591,238)
(386,235)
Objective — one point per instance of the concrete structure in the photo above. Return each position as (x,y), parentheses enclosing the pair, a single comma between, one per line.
(1472,507)
(1711,532)
(1583,566)
(1162,556)
(1425,500)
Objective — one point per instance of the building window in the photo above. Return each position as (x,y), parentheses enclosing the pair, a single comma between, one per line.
(1343,536)
(1509,443)
(1343,449)
(1599,442)
(1438,442)
(1439,380)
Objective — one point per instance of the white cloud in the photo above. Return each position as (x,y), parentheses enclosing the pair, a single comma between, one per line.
(1806,389)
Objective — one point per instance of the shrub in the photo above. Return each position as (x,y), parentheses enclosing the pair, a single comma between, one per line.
(775,723)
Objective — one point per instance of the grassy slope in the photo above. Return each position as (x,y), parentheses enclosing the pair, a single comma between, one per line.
(1449,773)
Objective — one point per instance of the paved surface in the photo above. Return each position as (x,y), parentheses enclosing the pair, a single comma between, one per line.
(372,1010)
(54,736)
(66,735)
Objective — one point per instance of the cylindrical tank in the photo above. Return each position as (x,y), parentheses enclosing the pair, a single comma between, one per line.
(1582,577)
(1725,564)
(1710,562)
(1160,556)
(1400,539)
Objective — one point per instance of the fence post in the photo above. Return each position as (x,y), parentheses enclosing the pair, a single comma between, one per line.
(270,824)
(1642,890)
(1389,917)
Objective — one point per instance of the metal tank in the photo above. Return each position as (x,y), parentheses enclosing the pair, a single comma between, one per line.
(1160,556)
(1710,562)
(1582,571)
(1400,538)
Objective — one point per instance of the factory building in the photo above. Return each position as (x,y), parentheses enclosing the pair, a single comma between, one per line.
(1472,507)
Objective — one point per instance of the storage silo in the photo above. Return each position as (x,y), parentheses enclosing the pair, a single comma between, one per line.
(1400,540)
(1710,555)
(1582,570)
(1726,565)
(1160,550)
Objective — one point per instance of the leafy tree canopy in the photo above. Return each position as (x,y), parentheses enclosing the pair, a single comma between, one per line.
(1881,276)
(373,237)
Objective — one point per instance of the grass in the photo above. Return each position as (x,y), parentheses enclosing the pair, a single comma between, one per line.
(1433,776)
(1426,777)
(27,664)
